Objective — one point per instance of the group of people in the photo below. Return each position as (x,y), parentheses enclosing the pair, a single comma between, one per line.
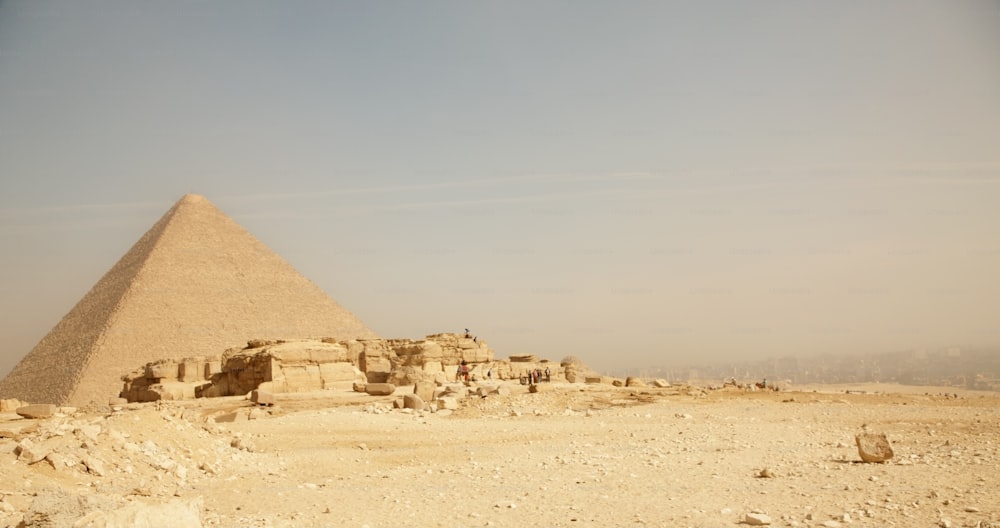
(535,376)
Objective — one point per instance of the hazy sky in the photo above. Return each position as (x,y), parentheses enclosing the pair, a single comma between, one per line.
(635,183)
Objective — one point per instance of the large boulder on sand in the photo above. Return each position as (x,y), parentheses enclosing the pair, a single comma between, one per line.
(380,389)
(873,447)
(38,410)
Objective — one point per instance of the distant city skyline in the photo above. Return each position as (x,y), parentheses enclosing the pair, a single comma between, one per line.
(631,184)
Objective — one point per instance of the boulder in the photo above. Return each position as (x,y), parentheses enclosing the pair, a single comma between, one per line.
(873,447)
(38,410)
(634,382)
(380,389)
(661,383)
(262,397)
(29,452)
(757,519)
(447,402)
(413,401)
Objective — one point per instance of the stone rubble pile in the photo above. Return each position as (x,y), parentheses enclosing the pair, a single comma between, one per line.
(132,465)
(280,366)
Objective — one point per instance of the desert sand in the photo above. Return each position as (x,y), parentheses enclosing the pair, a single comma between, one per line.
(570,455)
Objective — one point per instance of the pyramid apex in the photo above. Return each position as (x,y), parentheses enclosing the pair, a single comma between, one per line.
(191,198)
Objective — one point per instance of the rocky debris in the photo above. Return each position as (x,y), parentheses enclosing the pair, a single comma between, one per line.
(302,365)
(380,389)
(873,447)
(37,411)
(55,507)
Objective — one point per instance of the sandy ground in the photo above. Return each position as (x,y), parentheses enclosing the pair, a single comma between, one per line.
(571,455)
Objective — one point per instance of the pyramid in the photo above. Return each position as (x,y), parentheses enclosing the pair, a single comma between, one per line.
(195,284)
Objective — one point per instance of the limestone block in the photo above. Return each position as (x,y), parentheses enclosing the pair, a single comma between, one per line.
(354,350)
(212,367)
(592,380)
(431,351)
(467,343)
(262,397)
(617,382)
(308,351)
(757,519)
(191,370)
(661,383)
(173,390)
(413,401)
(11,405)
(163,370)
(433,367)
(424,389)
(873,447)
(339,375)
(30,452)
(375,365)
(523,358)
(447,402)
(634,382)
(302,378)
(380,389)
(38,410)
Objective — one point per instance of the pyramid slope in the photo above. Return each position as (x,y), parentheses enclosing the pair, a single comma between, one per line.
(195,284)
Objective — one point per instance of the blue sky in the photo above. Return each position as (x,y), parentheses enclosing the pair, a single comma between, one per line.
(635,184)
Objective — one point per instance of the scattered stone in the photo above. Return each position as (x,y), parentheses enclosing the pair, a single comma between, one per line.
(634,382)
(447,402)
(94,466)
(380,389)
(873,448)
(36,411)
(30,452)
(757,519)
(765,473)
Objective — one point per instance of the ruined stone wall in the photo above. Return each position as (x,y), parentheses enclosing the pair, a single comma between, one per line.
(280,366)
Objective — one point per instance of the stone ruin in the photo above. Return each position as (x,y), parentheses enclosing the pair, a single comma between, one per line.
(303,365)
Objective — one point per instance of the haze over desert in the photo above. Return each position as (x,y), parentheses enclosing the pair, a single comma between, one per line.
(378,264)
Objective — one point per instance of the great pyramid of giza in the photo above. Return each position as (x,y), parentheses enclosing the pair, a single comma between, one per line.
(196,283)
